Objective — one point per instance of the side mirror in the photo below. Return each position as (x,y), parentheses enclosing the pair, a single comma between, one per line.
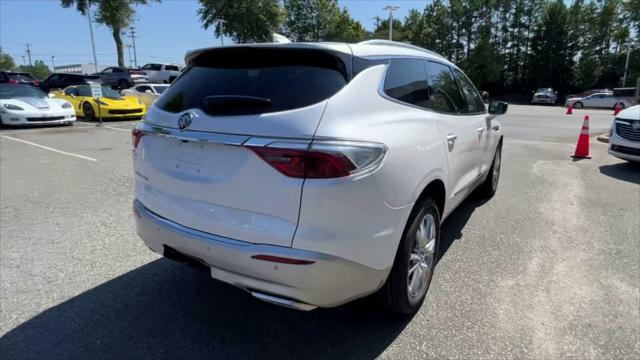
(485,96)
(498,107)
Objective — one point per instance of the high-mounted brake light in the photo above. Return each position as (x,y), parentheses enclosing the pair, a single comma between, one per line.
(322,160)
(136,135)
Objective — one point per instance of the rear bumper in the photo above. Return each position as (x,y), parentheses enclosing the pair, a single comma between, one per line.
(329,281)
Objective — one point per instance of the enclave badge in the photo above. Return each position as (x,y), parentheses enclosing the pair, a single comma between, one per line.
(184,121)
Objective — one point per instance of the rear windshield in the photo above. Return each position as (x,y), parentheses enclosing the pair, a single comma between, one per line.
(281,79)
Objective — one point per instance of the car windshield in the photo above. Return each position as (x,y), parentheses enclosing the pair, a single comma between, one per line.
(16,91)
(85,90)
(20,76)
(161,88)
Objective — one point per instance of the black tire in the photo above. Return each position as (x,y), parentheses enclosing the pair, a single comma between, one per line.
(489,187)
(578,105)
(395,294)
(89,112)
(123,84)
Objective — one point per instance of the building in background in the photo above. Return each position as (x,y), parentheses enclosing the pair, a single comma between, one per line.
(79,69)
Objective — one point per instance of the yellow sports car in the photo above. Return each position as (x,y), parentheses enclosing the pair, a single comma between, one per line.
(111,106)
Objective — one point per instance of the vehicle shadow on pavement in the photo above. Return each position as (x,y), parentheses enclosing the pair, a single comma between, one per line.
(167,310)
(457,220)
(624,171)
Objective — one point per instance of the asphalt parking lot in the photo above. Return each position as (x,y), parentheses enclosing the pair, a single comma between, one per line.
(549,268)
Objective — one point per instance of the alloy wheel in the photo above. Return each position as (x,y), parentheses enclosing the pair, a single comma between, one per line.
(422,257)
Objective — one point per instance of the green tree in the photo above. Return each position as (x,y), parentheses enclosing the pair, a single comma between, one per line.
(39,69)
(343,28)
(308,20)
(246,20)
(6,61)
(320,20)
(551,61)
(115,14)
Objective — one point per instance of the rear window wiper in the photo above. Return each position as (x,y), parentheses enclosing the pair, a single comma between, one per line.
(235,103)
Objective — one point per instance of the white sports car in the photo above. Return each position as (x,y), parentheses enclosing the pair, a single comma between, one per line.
(148,93)
(28,105)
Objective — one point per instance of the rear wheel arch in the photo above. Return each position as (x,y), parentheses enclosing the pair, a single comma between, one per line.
(435,190)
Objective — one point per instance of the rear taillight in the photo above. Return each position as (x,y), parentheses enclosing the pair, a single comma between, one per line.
(136,135)
(36,82)
(12,81)
(321,160)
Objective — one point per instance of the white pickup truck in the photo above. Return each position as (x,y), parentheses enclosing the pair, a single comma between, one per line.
(162,73)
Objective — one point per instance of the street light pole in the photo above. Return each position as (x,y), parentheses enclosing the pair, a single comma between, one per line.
(391,10)
(221,24)
(129,52)
(93,43)
(626,65)
(53,64)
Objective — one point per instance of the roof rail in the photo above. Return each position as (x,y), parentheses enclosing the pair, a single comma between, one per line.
(398,44)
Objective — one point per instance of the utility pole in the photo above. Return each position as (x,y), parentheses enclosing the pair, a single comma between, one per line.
(626,65)
(132,35)
(221,24)
(391,10)
(93,43)
(29,53)
(53,64)
(129,51)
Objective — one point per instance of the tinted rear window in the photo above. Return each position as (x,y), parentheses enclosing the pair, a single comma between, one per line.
(407,81)
(288,78)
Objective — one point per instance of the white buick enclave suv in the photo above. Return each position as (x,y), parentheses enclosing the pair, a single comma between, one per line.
(312,174)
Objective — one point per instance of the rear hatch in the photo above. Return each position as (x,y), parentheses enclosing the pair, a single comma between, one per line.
(194,167)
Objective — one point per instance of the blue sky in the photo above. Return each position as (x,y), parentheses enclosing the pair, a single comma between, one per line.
(166,30)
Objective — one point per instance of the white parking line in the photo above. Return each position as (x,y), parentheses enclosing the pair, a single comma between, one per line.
(36,130)
(115,128)
(107,127)
(48,148)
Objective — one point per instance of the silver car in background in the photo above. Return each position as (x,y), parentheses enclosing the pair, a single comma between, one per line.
(544,96)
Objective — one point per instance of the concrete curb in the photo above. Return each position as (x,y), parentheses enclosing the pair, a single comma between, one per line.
(603,138)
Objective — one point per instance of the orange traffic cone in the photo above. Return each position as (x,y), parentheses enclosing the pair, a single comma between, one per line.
(569,110)
(617,109)
(582,148)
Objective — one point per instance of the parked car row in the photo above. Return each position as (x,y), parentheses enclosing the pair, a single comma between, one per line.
(24,104)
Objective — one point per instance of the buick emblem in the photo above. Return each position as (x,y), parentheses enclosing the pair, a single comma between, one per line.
(184,121)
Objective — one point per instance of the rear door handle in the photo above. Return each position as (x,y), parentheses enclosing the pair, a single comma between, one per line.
(480,130)
(451,138)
